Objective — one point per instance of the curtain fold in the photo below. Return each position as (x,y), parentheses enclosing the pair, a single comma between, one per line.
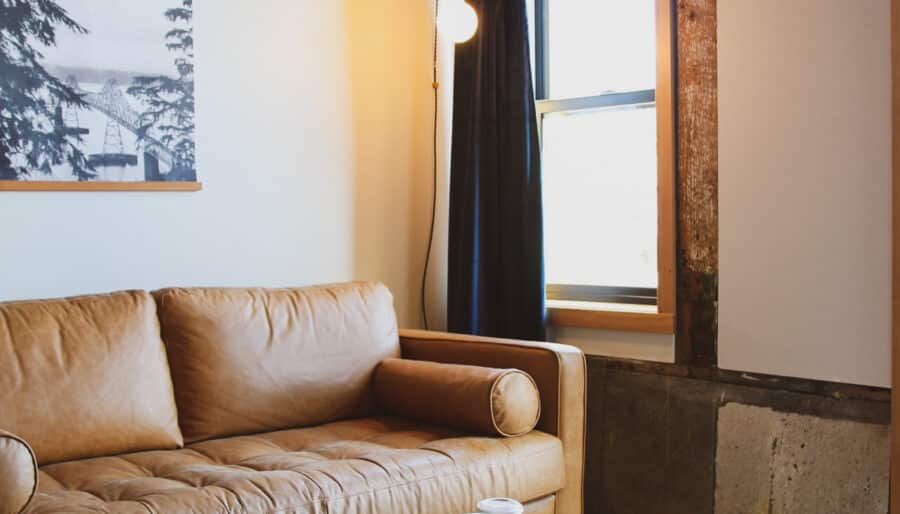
(496,269)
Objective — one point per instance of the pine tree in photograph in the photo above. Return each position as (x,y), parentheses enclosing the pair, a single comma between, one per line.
(30,97)
(169,114)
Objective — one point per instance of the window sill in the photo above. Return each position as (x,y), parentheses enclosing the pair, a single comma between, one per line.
(606,316)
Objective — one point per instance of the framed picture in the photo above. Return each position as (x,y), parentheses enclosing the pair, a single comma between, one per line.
(97,95)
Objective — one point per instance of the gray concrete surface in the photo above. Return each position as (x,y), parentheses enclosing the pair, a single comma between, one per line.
(769,462)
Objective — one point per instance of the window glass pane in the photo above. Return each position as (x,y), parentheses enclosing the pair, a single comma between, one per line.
(600,210)
(599,46)
(529,6)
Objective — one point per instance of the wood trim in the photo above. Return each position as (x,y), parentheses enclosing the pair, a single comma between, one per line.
(895,374)
(24,185)
(655,323)
(665,116)
(836,390)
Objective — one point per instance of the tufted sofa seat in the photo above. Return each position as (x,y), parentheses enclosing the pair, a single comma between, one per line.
(365,465)
(277,401)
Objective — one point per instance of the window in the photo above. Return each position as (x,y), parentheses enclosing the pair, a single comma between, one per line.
(603,80)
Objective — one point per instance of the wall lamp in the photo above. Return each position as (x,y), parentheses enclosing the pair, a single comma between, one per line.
(457,20)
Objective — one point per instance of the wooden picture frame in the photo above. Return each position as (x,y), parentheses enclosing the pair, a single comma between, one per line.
(50,185)
(99,97)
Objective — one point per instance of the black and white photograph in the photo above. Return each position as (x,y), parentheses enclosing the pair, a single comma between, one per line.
(97,91)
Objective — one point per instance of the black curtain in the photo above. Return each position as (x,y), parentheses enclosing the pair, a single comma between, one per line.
(496,268)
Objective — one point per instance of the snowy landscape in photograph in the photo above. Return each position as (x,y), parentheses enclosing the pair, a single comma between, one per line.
(97,90)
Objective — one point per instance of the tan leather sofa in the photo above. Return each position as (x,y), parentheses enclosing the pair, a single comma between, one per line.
(277,401)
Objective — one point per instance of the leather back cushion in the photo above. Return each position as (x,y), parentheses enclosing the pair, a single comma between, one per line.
(255,360)
(86,377)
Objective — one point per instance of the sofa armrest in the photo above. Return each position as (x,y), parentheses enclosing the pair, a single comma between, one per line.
(559,372)
(18,474)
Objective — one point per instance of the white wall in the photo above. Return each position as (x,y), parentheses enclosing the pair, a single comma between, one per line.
(312,147)
(804,188)
(612,343)
(391,75)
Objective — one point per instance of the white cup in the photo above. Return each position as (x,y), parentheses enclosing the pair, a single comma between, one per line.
(500,506)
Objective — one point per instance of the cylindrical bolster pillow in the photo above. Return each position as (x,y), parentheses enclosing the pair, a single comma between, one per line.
(492,401)
(18,474)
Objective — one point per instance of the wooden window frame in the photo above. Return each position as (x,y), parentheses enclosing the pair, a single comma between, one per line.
(660,320)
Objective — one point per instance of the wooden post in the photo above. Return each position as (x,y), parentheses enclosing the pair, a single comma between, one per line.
(697,184)
(895,394)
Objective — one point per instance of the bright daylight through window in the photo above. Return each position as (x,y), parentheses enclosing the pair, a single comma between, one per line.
(595,67)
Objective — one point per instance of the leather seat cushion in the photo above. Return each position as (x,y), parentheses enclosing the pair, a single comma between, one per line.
(383,465)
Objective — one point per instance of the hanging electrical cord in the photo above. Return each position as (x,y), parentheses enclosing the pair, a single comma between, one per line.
(435,85)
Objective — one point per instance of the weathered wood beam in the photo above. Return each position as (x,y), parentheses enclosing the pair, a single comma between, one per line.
(697,184)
